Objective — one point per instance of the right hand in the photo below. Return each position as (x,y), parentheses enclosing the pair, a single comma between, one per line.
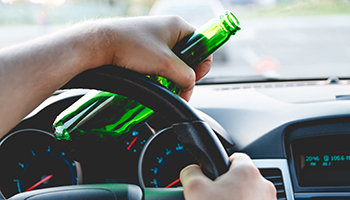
(242,181)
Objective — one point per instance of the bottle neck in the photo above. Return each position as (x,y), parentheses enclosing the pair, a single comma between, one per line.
(230,22)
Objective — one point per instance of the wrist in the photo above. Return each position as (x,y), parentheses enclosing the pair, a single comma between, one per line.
(93,40)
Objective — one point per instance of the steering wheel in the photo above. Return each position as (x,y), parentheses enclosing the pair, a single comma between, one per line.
(192,131)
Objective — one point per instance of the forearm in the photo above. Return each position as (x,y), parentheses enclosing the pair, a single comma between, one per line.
(31,72)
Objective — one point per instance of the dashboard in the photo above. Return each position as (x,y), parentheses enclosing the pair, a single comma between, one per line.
(296,132)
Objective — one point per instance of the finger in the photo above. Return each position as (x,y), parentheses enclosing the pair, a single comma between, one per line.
(185,29)
(240,158)
(174,69)
(178,71)
(243,166)
(193,177)
(196,185)
(177,29)
(203,68)
(242,162)
(200,72)
(186,95)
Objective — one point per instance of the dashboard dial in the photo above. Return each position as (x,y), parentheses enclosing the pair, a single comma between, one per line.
(135,141)
(162,160)
(31,159)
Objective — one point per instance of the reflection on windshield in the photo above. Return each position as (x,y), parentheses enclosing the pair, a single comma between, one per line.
(280,39)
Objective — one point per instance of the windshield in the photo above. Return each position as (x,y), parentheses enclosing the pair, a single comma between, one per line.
(280,39)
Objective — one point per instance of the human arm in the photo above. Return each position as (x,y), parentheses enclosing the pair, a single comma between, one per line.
(31,72)
(243,181)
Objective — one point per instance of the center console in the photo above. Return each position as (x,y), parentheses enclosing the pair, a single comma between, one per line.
(319,159)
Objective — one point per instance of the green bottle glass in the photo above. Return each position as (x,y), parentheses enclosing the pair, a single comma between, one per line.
(99,118)
(198,46)
(96,121)
(112,114)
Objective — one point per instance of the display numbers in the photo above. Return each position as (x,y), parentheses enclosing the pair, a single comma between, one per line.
(340,158)
(312,158)
(154,182)
(327,160)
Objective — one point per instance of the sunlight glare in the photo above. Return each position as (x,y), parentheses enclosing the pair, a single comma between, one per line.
(8,1)
(50,2)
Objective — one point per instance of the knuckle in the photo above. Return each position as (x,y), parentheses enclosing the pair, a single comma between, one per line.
(180,25)
(270,187)
(190,79)
(270,190)
(197,184)
(166,62)
(248,170)
(176,20)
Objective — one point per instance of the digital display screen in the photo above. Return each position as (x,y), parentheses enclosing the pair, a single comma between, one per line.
(326,161)
(322,160)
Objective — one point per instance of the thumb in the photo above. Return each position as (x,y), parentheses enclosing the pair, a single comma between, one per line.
(192,178)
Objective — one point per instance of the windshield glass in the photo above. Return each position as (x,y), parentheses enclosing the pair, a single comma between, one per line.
(280,39)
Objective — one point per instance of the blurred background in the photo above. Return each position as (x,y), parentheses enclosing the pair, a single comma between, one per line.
(280,39)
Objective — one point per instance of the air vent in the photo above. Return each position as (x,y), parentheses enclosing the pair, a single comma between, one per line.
(275,176)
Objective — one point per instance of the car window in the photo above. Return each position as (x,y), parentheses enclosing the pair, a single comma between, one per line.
(280,39)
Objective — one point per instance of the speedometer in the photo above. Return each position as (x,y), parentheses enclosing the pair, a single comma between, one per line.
(162,159)
(31,159)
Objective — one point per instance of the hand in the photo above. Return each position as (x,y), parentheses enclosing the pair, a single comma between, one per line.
(243,181)
(144,44)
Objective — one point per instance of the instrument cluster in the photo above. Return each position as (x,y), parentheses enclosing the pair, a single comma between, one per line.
(31,159)
(162,159)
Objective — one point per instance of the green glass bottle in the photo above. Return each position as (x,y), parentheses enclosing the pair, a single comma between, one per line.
(113,115)
(99,118)
(198,46)
(96,121)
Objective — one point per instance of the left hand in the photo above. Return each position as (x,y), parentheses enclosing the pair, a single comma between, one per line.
(144,44)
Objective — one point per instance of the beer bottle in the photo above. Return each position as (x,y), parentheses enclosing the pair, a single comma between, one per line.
(91,125)
(198,46)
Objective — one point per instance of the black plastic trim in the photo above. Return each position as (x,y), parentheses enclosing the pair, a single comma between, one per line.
(314,128)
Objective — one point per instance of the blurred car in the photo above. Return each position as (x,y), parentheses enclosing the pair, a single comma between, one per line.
(196,12)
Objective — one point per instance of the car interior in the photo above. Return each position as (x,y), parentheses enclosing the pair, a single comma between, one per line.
(291,116)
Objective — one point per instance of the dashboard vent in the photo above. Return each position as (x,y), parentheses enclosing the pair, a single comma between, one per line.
(275,176)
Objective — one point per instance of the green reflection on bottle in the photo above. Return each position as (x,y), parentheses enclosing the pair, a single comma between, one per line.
(102,114)
(167,83)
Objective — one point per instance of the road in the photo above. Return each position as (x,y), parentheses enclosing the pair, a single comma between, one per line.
(290,48)
(280,48)
(11,35)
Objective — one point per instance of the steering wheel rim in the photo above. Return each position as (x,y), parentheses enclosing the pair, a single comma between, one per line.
(192,131)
